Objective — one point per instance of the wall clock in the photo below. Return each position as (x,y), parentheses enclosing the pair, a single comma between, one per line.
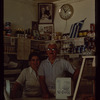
(66,11)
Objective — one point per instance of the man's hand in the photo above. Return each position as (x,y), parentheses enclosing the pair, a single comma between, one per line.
(48,95)
(45,96)
(76,73)
(45,91)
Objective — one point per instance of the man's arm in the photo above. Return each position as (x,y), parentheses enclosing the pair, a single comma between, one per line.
(75,76)
(45,91)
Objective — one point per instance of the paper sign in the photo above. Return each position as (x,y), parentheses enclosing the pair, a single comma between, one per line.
(63,88)
(79,41)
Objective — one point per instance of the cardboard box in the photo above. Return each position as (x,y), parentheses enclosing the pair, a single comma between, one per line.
(64,88)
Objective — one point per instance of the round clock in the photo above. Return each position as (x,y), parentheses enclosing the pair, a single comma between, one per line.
(66,11)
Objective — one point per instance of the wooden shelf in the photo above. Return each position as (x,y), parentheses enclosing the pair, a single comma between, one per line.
(12,71)
(10,53)
(10,37)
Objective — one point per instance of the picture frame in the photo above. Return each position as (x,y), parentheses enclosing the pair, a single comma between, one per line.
(34,25)
(45,29)
(45,13)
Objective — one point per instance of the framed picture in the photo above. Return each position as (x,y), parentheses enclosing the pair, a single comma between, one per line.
(45,13)
(34,25)
(45,29)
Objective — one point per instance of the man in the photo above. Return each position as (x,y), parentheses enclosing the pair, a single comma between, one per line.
(51,68)
(47,12)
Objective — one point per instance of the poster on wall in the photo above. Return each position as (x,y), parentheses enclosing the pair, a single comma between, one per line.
(45,13)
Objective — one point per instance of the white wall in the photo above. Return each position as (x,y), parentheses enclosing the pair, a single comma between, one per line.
(83,9)
(21,14)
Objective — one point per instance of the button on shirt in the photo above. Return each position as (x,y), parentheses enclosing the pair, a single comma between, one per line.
(52,71)
(29,81)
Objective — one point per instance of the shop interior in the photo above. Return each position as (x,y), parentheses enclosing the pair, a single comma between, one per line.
(25,32)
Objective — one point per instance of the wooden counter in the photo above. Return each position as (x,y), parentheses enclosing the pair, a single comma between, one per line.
(35,98)
(39,98)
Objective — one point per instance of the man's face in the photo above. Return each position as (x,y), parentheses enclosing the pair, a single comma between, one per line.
(52,51)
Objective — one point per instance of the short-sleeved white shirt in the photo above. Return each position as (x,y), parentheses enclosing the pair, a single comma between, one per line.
(52,71)
(29,81)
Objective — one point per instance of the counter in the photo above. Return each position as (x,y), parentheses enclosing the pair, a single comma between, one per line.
(34,98)
(39,98)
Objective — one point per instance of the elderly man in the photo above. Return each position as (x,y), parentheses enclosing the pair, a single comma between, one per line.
(51,68)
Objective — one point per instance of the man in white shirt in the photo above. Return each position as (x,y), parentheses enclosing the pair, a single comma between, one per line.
(51,68)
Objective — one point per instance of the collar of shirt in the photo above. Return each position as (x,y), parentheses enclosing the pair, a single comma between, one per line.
(32,71)
(57,59)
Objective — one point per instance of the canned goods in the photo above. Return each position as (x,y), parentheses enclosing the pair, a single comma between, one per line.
(80,34)
(74,50)
(83,48)
(84,33)
(78,49)
(8,32)
(7,25)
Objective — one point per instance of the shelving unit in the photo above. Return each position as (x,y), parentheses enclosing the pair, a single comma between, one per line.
(10,45)
(23,47)
(65,47)
(10,49)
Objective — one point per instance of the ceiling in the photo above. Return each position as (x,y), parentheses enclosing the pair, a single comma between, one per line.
(38,1)
(46,0)
(49,1)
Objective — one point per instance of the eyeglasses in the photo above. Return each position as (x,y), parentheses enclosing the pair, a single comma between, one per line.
(53,49)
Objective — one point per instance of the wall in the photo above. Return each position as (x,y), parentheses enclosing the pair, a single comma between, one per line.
(22,13)
(83,9)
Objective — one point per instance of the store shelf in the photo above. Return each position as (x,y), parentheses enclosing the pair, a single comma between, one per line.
(10,37)
(10,53)
(12,71)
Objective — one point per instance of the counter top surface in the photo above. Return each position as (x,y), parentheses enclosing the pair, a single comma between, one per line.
(39,98)
(34,98)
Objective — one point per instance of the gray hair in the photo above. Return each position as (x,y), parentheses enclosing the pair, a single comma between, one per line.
(51,43)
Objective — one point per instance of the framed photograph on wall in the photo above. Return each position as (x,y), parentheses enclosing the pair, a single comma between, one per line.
(34,25)
(45,29)
(45,13)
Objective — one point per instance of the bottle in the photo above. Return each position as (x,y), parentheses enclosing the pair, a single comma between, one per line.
(29,33)
(22,32)
(25,34)
(32,34)
(19,32)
